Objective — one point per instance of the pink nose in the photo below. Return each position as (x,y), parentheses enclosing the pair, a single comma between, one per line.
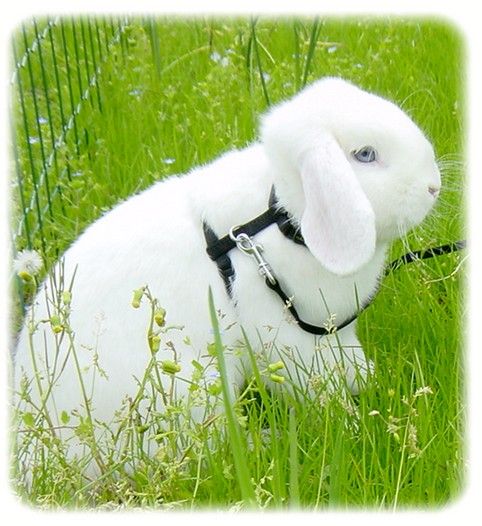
(434,190)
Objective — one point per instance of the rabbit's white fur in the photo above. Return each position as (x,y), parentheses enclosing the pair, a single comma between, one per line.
(348,212)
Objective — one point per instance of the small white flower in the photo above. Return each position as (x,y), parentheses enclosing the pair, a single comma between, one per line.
(329,325)
(219,59)
(169,161)
(421,391)
(28,261)
(136,92)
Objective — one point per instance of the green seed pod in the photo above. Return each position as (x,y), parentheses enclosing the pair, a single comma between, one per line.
(28,419)
(273,367)
(170,367)
(25,276)
(160,317)
(55,319)
(154,342)
(277,378)
(66,297)
(215,388)
(56,323)
(142,429)
(136,298)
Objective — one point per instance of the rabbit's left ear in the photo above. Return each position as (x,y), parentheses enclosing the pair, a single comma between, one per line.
(338,223)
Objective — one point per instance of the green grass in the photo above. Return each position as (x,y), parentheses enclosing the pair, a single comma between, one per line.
(175,93)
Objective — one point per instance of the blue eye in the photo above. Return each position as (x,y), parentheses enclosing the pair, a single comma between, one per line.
(367,154)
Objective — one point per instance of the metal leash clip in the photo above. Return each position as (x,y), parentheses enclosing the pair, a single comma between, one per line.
(249,247)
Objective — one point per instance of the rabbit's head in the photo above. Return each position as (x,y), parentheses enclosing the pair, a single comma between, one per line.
(351,167)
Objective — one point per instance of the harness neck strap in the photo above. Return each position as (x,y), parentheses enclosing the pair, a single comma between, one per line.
(219,247)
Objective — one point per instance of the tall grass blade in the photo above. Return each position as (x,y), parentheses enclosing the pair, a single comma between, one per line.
(242,470)
(279,491)
(258,62)
(297,52)
(155,46)
(315,31)
(94,64)
(294,466)
(337,465)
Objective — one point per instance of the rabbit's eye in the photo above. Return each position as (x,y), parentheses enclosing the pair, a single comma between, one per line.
(367,154)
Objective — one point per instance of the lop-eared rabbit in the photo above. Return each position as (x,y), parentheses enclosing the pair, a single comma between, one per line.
(349,169)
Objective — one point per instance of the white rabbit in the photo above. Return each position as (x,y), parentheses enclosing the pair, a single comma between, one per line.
(351,169)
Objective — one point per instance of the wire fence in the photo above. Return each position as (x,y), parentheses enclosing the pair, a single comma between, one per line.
(57,64)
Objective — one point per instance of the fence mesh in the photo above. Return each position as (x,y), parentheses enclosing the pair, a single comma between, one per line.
(57,65)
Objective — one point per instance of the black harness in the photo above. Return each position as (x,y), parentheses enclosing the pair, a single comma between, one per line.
(218,249)
(240,237)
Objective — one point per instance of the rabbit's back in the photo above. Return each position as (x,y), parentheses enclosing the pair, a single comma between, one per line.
(156,239)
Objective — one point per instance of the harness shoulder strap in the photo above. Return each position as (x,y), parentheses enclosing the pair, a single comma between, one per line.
(218,247)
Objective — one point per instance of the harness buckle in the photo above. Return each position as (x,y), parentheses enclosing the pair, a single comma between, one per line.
(246,245)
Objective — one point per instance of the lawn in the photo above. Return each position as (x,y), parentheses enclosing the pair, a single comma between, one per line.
(102,108)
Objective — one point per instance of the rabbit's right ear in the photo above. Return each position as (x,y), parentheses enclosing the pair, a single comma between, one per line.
(338,222)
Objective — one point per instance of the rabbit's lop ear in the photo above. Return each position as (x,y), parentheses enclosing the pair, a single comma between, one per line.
(338,223)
